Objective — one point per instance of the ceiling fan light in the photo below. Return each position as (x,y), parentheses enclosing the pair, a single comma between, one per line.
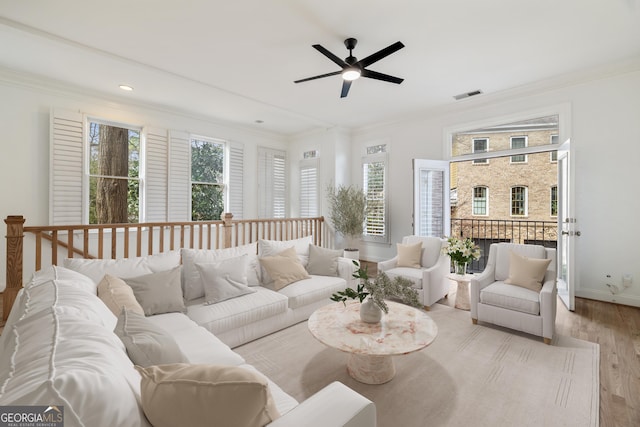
(351,74)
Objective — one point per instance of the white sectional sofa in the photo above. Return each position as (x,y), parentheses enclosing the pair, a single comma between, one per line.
(59,346)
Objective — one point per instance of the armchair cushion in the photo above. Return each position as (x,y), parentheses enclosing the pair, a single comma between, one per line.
(412,274)
(500,294)
(527,272)
(409,255)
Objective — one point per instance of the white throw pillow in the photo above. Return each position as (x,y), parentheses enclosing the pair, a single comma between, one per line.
(225,279)
(123,267)
(206,395)
(192,282)
(158,293)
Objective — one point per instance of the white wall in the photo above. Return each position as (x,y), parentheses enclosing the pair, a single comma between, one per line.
(24,144)
(605,134)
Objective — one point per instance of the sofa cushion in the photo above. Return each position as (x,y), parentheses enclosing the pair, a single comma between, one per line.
(116,295)
(96,269)
(322,261)
(412,274)
(237,312)
(54,288)
(409,255)
(192,284)
(196,395)
(158,292)
(311,290)
(62,274)
(55,357)
(526,272)
(196,343)
(283,268)
(511,297)
(225,279)
(147,344)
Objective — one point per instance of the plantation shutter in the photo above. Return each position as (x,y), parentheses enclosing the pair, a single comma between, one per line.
(236,180)
(272,187)
(431,197)
(309,205)
(156,175)
(66,169)
(179,200)
(374,179)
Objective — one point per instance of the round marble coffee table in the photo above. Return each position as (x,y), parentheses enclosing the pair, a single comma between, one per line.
(371,346)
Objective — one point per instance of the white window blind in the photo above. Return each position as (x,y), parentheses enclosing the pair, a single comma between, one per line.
(179,194)
(309,192)
(431,199)
(374,185)
(236,180)
(155,174)
(272,188)
(66,173)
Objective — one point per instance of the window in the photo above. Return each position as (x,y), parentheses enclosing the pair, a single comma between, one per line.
(309,194)
(518,201)
(480,201)
(554,154)
(374,185)
(480,145)
(554,200)
(114,178)
(207,179)
(518,142)
(272,178)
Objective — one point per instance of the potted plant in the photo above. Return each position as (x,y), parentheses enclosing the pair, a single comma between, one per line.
(347,212)
(377,290)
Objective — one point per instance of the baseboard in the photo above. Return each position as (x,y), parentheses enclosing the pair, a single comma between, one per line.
(632,300)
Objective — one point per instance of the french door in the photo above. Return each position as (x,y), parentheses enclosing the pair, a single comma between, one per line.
(431,204)
(567,227)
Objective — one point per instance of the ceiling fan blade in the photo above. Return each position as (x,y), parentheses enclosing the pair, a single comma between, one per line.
(346,84)
(379,76)
(318,77)
(380,54)
(330,55)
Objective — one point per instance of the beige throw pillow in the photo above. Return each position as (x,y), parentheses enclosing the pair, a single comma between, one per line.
(284,268)
(526,272)
(116,295)
(409,255)
(205,395)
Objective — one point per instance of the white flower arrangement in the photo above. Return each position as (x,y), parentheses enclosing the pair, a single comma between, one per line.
(461,251)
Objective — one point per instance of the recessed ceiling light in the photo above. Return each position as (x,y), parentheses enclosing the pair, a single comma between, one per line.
(468,94)
(126,87)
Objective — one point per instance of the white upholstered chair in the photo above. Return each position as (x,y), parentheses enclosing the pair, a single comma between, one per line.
(515,307)
(430,278)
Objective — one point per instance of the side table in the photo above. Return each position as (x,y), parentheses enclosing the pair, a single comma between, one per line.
(462,294)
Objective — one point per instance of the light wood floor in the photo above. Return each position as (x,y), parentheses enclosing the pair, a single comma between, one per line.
(617,329)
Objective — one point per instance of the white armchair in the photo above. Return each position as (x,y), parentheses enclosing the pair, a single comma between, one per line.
(430,279)
(515,307)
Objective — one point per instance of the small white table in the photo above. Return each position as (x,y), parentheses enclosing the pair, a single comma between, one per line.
(462,294)
(371,346)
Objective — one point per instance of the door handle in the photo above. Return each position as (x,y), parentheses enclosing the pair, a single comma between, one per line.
(571,233)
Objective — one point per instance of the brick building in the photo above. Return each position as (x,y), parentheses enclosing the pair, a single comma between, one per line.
(510,198)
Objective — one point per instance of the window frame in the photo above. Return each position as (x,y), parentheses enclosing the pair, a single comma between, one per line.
(553,189)
(378,157)
(223,174)
(308,163)
(554,153)
(486,200)
(525,158)
(525,201)
(473,151)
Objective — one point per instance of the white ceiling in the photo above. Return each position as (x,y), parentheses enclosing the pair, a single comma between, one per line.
(237,60)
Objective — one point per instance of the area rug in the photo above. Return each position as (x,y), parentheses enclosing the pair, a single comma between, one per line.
(471,375)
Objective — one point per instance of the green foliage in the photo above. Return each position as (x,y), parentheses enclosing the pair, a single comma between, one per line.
(348,210)
(207,172)
(379,289)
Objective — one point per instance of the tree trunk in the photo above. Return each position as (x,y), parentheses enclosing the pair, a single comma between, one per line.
(111,197)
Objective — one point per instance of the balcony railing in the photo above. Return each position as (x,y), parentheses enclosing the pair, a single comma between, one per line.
(484,232)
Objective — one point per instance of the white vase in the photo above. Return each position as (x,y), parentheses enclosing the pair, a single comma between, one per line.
(369,312)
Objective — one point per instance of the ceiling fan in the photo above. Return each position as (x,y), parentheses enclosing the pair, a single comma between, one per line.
(353,69)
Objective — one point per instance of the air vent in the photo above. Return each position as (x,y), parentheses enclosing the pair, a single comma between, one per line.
(468,94)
